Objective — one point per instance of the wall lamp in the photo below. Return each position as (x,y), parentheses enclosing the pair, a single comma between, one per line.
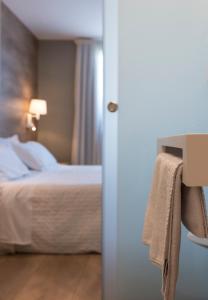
(37,108)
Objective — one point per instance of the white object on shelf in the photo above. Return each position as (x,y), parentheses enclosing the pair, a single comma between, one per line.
(199,241)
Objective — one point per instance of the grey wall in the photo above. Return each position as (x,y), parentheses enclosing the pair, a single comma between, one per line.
(32,69)
(163,61)
(18,73)
(56,71)
(0,45)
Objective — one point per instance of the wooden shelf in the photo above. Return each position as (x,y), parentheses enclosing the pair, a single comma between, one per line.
(193,148)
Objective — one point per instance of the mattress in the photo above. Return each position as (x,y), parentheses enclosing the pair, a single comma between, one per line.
(58,212)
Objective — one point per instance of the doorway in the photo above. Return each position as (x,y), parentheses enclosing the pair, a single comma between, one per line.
(52,112)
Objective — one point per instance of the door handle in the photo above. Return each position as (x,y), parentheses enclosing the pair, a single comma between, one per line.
(113,106)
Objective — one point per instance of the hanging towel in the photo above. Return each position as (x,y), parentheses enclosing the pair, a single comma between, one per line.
(171,202)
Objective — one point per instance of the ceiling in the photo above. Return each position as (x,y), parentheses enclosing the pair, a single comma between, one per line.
(59,19)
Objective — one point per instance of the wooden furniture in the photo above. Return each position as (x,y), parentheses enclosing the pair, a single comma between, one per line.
(193,148)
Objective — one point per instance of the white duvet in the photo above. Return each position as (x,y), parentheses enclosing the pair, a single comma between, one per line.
(57,211)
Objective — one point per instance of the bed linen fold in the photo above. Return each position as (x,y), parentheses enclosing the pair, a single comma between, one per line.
(15,216)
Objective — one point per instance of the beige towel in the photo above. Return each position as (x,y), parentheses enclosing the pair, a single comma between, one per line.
(169,203)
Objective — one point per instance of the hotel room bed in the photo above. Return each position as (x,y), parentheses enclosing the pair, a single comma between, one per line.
(56,211)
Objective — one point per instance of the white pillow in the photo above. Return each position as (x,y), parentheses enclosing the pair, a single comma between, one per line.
(9,140)
(34,155)
(11,167)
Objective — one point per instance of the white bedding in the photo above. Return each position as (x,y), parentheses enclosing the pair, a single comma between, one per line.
(57,211)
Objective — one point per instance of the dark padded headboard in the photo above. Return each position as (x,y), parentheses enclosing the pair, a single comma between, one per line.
(19,59)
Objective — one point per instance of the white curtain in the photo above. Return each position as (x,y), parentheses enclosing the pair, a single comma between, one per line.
(87,134)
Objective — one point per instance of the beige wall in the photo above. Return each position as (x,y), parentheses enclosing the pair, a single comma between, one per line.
(56,70)
(19,73)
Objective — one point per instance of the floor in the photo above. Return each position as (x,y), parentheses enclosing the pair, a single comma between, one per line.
(42,277)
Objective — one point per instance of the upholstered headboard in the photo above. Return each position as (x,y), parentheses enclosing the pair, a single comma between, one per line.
(18,74)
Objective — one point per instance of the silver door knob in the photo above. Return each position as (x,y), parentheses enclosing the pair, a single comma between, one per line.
(112,106)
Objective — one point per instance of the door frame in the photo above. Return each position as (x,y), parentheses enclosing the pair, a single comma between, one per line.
(110,144)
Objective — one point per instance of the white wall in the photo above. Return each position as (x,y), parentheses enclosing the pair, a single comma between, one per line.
(163,61)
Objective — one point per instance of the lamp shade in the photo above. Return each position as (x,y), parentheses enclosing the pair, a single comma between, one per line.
(38,107)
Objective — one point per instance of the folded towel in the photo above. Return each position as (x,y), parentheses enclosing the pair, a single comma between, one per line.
(169,203)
